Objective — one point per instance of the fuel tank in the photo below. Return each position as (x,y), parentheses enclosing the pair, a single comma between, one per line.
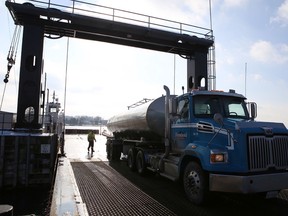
(147,117)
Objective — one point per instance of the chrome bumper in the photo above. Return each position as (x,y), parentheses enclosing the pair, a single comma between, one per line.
(248,184)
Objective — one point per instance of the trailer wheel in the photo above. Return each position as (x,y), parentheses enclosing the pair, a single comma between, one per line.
(111,156)
(114,152)
(140,163)
(131,159)
(108,146)
(195,183)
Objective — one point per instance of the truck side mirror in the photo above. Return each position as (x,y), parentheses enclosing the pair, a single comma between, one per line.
(253,109)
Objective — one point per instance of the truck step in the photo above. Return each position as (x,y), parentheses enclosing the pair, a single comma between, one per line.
(151,169)
(173,178)
(166,172)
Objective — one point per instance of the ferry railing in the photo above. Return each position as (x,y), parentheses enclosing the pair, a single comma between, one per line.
(50,123)
(119,15)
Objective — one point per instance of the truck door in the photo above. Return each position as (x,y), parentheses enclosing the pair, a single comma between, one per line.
(181,126)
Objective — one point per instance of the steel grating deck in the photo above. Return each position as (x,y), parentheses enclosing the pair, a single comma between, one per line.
(106,192)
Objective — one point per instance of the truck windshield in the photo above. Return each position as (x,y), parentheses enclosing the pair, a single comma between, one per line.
(229,107)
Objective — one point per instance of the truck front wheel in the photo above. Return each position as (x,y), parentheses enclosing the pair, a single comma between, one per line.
(195,183)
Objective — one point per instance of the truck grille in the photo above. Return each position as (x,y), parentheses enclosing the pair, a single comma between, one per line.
(268,152)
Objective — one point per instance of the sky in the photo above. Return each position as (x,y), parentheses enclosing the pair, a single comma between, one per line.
(101,79)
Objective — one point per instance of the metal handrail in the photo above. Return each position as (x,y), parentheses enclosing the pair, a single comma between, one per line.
(114,14)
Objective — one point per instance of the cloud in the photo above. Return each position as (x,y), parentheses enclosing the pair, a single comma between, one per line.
(257,77)
(282,14)
(189,11)
(265,114)
(198,6)
(234,3)
(265,51)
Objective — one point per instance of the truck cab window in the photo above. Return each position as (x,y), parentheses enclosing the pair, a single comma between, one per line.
(183,110)
(206,106)
(235,108)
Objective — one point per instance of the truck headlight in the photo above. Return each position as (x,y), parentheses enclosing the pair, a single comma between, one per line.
(218,157)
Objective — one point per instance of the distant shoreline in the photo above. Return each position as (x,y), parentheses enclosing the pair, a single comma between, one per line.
(79,129)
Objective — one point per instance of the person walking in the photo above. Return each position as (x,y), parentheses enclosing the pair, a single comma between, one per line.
(91,138)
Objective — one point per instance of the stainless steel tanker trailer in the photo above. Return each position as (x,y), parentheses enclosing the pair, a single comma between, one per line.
(207,139)
(140,126)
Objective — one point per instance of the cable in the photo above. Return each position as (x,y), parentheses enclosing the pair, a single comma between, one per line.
(3,96)
(11,58)
(66,72)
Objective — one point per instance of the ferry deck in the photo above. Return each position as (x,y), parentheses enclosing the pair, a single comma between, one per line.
(86,185)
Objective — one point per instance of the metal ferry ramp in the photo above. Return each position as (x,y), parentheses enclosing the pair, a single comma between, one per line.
(86,185)
(93,186)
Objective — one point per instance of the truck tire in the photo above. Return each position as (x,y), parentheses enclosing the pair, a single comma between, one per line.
(140,163)
(110,157)
(131,159)
(195,183)
(114,152)
(108,146)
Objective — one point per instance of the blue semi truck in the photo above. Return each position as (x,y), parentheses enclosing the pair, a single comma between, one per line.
(209,140)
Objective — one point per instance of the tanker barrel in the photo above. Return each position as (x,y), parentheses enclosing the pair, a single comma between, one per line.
(147,117)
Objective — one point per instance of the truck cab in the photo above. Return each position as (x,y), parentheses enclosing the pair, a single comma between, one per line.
(209,140)
(221,148)
(195,123)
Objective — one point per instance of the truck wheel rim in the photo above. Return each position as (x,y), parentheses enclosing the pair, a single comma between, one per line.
(193,182)
(130,161)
